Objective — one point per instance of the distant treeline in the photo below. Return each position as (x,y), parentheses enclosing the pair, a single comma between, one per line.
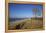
(38,18)
(15,19)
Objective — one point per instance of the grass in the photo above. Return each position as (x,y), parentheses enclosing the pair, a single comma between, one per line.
(33,23)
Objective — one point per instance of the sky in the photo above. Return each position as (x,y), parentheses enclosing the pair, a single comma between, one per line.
(23,10)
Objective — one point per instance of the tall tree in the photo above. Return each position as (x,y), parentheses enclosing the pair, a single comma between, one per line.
(35,11)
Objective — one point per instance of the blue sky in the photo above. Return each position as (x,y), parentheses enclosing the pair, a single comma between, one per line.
(23,10)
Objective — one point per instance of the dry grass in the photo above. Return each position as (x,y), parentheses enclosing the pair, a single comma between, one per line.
(33,23)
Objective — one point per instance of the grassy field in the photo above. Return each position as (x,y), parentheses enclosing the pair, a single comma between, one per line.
(32,23)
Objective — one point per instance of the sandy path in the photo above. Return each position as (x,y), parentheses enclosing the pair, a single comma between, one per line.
(19,21)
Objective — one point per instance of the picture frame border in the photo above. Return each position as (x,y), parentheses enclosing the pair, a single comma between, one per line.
(21,2)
